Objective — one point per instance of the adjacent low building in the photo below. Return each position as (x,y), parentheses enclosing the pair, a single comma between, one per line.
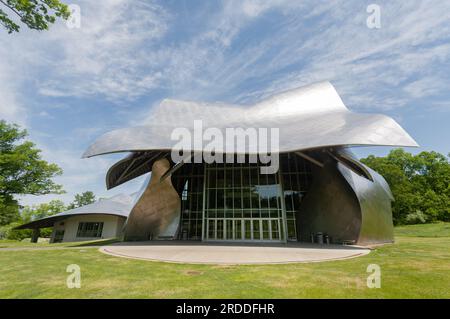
(103,219)
(319,191)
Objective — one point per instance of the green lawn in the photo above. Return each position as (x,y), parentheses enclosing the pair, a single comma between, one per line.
(416,266)
(45,244)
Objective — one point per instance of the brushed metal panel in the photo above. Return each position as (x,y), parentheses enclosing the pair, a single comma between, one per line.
(308,117)
(374,199)
(133,165)
(346,205)
(156,212)
(330,206)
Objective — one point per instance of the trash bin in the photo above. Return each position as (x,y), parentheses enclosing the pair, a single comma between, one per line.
(327,239)
(320,238)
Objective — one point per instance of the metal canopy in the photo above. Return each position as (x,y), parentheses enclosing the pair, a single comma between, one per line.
(132,166)
(308,117)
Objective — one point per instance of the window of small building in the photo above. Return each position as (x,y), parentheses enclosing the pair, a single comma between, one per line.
(90,229)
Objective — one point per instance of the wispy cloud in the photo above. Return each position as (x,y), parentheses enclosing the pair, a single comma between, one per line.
(11,108)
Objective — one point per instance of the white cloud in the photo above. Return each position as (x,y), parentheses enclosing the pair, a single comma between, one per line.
(371,68)
(106,56)
(11,108)
(426,86)
(120,51)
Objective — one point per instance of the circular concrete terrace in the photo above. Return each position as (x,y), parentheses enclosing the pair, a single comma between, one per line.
(232,253)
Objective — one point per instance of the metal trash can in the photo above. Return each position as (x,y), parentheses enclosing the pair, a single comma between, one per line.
(327,239)
(320,238)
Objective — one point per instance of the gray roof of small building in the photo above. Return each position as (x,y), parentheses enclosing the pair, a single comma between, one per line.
(118,205)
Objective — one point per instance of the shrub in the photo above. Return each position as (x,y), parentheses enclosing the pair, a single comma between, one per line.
(8,232)
(416,218)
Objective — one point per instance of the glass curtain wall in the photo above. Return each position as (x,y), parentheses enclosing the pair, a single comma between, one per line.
(242,204)
(188,181)
(296,178)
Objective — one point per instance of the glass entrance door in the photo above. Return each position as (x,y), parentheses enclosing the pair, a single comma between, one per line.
(255,229)
(241,204)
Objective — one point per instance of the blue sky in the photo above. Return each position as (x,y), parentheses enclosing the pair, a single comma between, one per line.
(68,86)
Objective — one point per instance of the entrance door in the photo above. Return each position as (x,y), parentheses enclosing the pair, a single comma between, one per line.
(255,229)
(219,230)
(247,229)
(237,229)
(229,229)
(265,229)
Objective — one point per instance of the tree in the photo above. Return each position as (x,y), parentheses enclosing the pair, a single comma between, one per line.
(22,171)
(420,185)
(35,212)
(28,214)
(9,211)
(35,14)
(82,199)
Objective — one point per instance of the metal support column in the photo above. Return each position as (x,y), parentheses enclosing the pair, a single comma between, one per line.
(283,205)
(205,180)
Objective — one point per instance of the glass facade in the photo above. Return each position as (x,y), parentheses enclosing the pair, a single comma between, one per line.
(242,204)
(237,202)
(296,178)
(188,181)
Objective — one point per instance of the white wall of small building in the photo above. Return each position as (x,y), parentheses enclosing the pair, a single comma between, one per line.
(112,226)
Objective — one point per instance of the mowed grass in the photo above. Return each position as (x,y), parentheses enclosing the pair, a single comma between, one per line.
(44,244)
(416,266)
(428,230)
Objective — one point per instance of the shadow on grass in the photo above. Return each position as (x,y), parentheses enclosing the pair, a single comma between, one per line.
(101,242)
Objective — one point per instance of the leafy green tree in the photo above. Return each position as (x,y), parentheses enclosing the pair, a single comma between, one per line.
(35,14)
(82,199)
(9,210)
(28,214)
(34,212)
(8,231)
(420,185)
(22,171)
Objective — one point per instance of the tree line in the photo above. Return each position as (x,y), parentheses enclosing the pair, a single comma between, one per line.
(29,213)
(420,185)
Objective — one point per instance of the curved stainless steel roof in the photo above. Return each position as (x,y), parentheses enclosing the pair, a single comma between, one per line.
(313,116)
(119,205)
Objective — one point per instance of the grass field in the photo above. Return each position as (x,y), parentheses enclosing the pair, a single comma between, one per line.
(416,266)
